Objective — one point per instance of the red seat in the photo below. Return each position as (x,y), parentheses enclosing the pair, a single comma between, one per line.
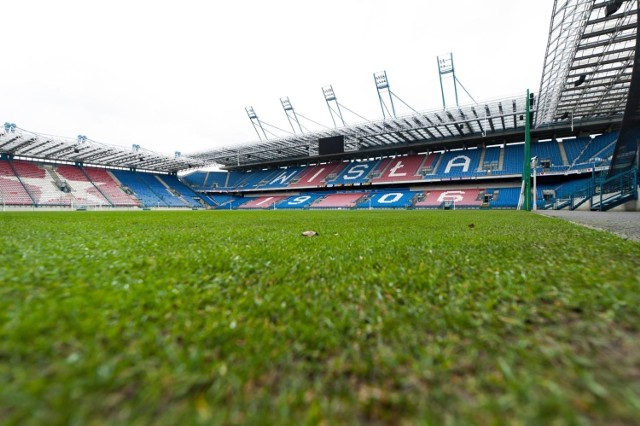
(336,201)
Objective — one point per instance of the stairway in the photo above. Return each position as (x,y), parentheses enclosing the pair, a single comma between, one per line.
(25,186)
(616,190)
(104,195)
(435,168)
(501,159)
(563,154)
(481,162)
(603,193)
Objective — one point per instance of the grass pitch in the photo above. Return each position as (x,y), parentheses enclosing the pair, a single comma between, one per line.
(385,318)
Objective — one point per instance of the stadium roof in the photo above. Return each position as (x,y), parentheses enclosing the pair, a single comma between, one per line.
(22,143)
(420,131)
(589,60)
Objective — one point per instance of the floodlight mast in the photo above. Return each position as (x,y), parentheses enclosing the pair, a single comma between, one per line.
(255,121)
(331,99)
(291,114)
(384,90)
(445,66)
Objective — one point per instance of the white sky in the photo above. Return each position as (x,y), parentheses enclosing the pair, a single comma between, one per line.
(177,75)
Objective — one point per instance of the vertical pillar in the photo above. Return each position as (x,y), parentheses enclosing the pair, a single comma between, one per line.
(526,166)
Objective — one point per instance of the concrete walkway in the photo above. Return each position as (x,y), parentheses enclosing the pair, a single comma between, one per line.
(623,224)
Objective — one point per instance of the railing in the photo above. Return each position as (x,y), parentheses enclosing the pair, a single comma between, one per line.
(572,200)
(15,172)
(616,190)
(603,193)
(86,175)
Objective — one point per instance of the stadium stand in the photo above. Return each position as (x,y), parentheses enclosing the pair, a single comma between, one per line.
(197,181)
(430,164)
(216,180)
(78,183)
(380,168)
(206,180)
(513,160)
(338,201)
(234,178)
(388,200)
(597,150)
(548,154)
(282,178)
(493,162)
(182,191)
(155,184)
(27,170)
(491,158)
(12,190)
(459,163)
(24,183)
(401,169)
(149,189)
(220,200)
(461,198)
(147,197)
(568,188)
(236,203)
(355,173)
(41,184)
(504,198)
(109,187)
(316,176)
(300,201)
(262,203)
(257,178)
(574,147)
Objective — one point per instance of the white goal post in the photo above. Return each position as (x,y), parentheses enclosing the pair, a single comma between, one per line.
(449,203)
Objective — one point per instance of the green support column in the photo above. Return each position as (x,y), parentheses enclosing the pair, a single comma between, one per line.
(526,167)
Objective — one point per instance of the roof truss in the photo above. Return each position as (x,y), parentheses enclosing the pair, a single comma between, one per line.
(425,127)
(587,69)
(28,144)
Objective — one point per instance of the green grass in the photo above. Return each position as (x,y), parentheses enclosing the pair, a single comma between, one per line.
(385,318)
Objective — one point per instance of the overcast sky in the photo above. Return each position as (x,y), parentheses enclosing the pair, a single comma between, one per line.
(177,75)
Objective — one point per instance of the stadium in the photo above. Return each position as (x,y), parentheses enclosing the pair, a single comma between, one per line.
(145,288)
(472,155)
